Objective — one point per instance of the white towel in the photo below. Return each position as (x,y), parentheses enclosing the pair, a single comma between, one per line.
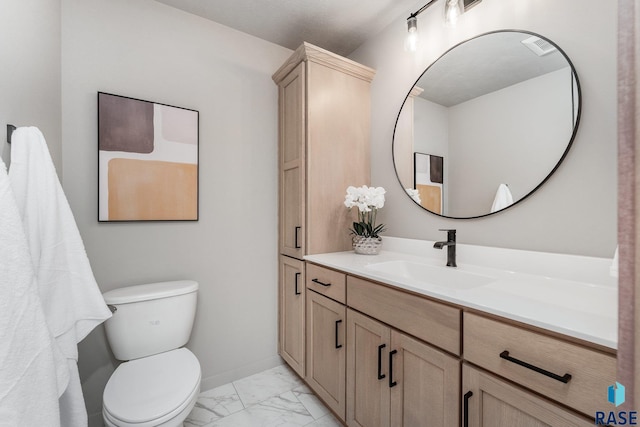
(33,371)
(69,292)
(613,270)
(503,198)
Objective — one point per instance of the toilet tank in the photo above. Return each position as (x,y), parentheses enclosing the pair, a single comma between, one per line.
(151,318)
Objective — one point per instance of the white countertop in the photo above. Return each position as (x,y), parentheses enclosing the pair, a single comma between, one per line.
(568,294)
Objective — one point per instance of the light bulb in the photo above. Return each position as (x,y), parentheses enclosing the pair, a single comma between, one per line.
(411,42)
(452,10)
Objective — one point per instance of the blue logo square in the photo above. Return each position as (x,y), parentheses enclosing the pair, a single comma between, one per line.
(616,394)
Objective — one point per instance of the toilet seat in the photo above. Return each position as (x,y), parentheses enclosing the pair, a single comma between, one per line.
(152,390)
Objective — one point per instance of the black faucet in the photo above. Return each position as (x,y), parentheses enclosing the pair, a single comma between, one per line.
(451,247)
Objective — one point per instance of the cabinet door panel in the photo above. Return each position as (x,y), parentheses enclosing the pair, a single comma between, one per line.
(494,403)
(428,385)
(291,317)
(326,350)
(367,395)
(292,163)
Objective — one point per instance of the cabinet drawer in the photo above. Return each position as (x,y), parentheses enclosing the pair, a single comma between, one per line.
(327,282)
(568,373)
(427,320)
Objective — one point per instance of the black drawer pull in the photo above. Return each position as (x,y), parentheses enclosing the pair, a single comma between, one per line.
(297,245)
(380,374)
(297,280)
(338,323)
(392,383)
(563,379)
(465,416)
(320,283)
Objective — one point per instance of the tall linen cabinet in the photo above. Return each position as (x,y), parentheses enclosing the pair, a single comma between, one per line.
(324,126)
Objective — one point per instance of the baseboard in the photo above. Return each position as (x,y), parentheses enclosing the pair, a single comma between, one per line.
(214,381)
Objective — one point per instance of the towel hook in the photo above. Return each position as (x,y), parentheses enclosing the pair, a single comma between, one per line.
(10,129)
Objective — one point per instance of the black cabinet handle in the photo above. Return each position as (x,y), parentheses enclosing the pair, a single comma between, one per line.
(380,374)
(297,245)
(563,379)
(320,283)
(337,323)
(297,277)
(465,416)
(392,383)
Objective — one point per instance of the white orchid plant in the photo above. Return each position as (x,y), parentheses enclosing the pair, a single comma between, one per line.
(368,200)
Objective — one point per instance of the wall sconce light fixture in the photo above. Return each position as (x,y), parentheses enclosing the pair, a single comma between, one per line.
(452,9)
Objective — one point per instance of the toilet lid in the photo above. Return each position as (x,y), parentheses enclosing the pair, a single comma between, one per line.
(151,387)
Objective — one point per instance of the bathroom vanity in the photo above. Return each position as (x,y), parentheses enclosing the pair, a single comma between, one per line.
(507,338)
(388,345)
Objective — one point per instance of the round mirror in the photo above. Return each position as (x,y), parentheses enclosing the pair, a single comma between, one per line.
(486,124)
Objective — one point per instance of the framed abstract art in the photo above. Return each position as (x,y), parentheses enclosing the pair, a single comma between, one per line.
(147,160)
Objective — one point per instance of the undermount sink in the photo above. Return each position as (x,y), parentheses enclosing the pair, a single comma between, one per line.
(446,277)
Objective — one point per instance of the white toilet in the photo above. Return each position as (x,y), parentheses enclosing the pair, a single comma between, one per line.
(159,383)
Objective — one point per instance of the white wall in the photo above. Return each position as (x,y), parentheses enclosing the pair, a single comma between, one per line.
(575,211)
(30,71)
(147,50)
(512,136)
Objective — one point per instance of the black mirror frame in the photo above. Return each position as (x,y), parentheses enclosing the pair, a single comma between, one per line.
(564,154)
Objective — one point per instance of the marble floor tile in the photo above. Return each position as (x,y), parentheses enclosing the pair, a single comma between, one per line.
(315,407)
(327,421)
(213,405)
(266,384)
(282,410)
(275,397)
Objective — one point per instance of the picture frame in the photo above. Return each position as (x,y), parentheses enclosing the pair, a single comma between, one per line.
(428,179)
(148,160)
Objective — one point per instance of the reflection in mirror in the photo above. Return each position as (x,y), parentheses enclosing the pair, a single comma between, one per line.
(486,124)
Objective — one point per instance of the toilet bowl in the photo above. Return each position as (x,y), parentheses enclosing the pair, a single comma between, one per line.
(158,383)
(158,390)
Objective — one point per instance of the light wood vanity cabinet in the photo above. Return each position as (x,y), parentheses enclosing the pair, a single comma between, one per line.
(330,283)
(432,322)
(326,355)
(395,375)
(414,361)
(571,374)
(491,402)
(396,380)
(326,336)
(291,313)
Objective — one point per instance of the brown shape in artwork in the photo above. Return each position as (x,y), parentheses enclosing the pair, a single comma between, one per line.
(152,190)
(124,124)
(436,167)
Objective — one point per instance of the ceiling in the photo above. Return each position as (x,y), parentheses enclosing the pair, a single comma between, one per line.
(340,26)
(484,65)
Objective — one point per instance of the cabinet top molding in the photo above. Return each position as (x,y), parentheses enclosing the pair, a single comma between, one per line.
(309,52)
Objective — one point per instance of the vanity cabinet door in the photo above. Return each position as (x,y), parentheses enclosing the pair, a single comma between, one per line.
(292,163)
(291,319)
(326,357)
(367,371)
(427,385)
(490,402)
